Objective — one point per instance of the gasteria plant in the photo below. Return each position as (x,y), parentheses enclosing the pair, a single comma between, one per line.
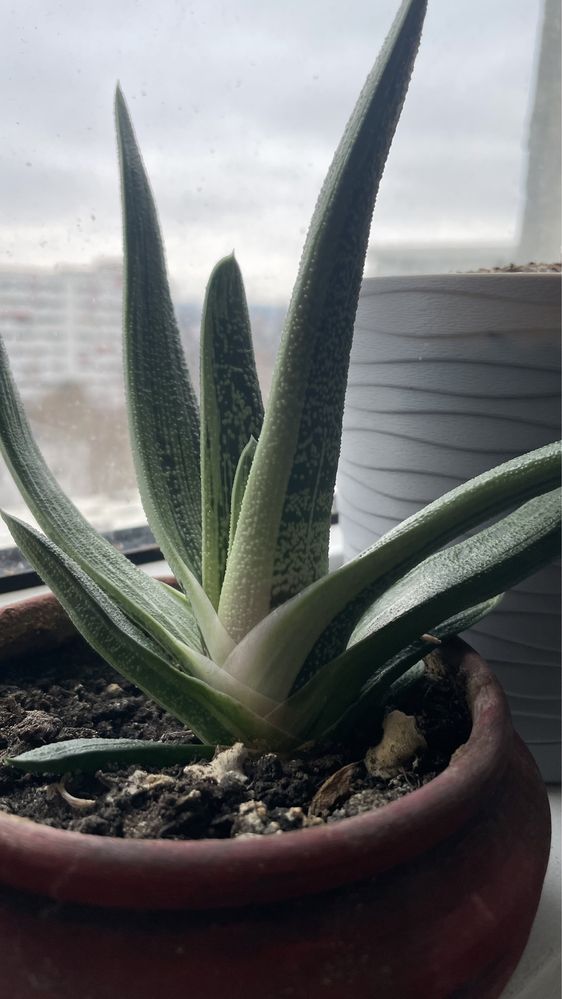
(262,644)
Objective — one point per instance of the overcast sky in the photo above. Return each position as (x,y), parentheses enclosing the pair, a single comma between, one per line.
(238,107)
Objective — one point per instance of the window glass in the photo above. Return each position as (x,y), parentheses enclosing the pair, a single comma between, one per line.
(238,108)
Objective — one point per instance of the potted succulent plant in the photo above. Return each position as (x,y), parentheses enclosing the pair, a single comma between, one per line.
(432,895)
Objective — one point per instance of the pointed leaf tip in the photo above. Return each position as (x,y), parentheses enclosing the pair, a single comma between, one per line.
(162,406)
(120,103)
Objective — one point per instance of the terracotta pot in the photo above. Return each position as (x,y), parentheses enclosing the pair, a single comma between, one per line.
(451,374)
(430,897)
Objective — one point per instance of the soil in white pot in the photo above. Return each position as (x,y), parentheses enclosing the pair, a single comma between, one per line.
(530,268)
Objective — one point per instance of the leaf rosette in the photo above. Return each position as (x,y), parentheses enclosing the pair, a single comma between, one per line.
(260,643)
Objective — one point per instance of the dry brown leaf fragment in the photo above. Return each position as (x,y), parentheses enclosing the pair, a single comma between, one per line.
(334,790)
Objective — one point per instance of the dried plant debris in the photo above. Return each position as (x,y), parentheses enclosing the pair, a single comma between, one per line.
(334,790)
(401,744)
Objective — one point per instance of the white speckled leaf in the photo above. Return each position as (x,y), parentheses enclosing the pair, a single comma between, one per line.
(322,618)
(399,673)
(89,755)
(239,486)
(231,411)
(282,539)
(162,408)
(444,585)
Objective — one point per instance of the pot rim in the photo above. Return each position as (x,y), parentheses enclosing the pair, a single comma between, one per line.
(200,874)
(542,286)
(453,277)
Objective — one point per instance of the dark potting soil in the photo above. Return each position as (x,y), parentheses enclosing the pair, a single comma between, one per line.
(71,694)
(531,268)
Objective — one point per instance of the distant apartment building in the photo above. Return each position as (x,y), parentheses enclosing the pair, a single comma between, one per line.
(63,327)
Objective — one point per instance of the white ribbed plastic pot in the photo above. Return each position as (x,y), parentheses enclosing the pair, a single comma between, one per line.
(450,375)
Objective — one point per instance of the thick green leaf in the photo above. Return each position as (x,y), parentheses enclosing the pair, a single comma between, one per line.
(214,716)
(443,585)
(65,525)
(404,592)
(402,671)
(89,755)
(473,503)
(231,411)
(271,656)
(239,486)
(282,539)
(163,412)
